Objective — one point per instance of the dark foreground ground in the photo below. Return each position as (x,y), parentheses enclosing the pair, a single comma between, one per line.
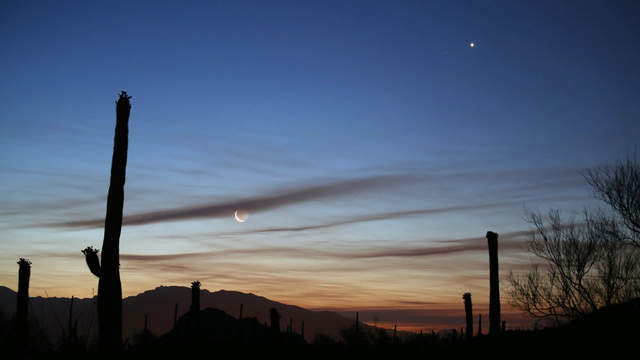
(608,333)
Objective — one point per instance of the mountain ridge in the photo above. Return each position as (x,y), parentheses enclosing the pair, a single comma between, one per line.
(159,305)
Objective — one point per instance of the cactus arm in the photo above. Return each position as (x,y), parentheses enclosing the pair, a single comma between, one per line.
(91,255)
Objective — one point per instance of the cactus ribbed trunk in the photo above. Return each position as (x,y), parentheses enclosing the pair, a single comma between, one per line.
(22,305)
(480,325)
(468,310)
(494,285)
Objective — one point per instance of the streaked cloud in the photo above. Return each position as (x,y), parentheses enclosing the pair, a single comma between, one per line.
(369,217)
(277,198)
(508,241)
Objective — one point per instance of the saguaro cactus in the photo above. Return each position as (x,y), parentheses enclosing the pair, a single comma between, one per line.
(195,297)
(468,310)
(22,305)
(480,325)
(494,285)
(108,272)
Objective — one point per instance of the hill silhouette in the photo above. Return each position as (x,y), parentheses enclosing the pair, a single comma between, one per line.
(159,304)
(215,331)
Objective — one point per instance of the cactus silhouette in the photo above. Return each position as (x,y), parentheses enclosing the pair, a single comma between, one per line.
(468,310)
(480,325)
(357,320)
(195,305)
(108,272)
(22,305)
(494,286)
(195,296)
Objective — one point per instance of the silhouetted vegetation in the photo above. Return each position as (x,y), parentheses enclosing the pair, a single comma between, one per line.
(494,284)
(619,187)
(108,272)
(195,306)
(22,304)
(221,335)
(587,264)
(468,310)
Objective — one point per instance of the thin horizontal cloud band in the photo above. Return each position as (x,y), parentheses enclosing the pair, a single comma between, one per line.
(276,199)
(509,242)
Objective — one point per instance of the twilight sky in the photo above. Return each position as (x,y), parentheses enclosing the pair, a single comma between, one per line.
(371,145)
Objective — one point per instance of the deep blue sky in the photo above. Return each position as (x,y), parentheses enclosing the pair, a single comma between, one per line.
(239,99)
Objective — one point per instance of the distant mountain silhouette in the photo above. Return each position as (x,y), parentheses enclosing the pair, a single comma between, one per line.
(158,304)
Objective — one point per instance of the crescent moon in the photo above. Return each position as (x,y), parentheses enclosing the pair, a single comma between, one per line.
(238,219)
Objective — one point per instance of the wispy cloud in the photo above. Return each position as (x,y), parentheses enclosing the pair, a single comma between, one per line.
(378,216)
(370,217)
(278,198)
(508,241)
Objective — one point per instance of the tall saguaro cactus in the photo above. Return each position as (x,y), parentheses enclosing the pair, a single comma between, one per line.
(468,310)
(195,297)
(494,285)
(22,305)
(108,272)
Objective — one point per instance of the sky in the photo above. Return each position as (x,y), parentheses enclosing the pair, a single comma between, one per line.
(372,146)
